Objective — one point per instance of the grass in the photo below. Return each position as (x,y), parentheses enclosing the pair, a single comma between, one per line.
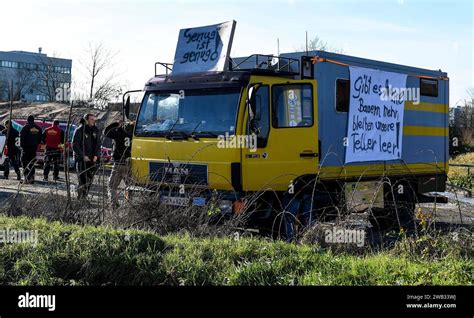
(458,175)
(85,255)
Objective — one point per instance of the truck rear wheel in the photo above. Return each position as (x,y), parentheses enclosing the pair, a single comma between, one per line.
(399,207)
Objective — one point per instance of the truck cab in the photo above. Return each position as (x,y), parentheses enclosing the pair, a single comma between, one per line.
(205,130)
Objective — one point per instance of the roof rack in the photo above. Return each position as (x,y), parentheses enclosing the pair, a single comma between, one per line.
(168,67)
(255,62)
(267,64)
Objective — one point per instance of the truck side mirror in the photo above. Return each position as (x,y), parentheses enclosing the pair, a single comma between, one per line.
(251,101)
(251,98)
(126,105)
(126,108)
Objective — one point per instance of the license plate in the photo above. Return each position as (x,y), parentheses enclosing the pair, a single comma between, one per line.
(199,201)
(176,201)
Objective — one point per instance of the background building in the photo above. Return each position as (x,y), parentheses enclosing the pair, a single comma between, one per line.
(36,77)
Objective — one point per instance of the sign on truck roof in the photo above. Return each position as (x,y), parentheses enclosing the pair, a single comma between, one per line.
(204,49)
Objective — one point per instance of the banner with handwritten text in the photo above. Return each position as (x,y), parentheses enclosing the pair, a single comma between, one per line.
(377,104)
(204,48)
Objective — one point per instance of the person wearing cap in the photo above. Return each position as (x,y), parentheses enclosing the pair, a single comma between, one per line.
(30,138)
(86,146)
(13,152)
(53,137)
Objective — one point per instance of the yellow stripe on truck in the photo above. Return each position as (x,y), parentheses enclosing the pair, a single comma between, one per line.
(427,107)
(331,172)
(426,131)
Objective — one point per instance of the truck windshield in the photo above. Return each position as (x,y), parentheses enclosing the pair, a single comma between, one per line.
(205,111)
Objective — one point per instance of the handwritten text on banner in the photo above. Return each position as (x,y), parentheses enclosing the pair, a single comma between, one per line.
(376,109)
(204,48)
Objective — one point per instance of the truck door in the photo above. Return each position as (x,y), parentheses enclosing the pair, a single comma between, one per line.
(286,125)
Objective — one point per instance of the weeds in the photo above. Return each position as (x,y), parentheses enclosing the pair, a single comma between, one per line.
(458,176)
(85,255)
(144,242)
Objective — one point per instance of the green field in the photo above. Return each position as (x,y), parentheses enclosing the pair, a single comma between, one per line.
(458,175)
(85,255)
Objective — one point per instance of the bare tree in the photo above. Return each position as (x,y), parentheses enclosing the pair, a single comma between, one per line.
(99,66)
(106,91)
(317,44)
(47,78)
(463,120)
(470,93)
(24,81)
(2,89)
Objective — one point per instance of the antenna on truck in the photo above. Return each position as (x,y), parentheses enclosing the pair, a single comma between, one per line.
(306,42)
(278,52)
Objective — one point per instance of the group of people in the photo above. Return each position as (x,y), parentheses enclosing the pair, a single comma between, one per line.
(86,144)
(22,147)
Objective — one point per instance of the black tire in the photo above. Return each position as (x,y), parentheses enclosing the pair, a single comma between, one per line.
(399,208)
(262,215)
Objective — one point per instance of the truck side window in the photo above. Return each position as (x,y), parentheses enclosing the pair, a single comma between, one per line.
(262,100)
(292,105)
(429,87)
(342,95)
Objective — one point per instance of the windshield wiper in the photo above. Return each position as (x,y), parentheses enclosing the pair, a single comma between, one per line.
(172,135)
(169,134)
(172,126)
(206,134)
(184,134)
(152,133)
(193,135)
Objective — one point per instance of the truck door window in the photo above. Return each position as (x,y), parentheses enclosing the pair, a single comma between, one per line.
(342,95)
(262,100)
(292,105)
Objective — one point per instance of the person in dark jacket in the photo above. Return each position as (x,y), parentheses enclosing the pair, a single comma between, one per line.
(121,134)
(53,138)
(86,146)
(13,142)
(30,138)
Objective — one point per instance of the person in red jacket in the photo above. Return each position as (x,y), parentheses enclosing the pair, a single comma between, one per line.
(53,137)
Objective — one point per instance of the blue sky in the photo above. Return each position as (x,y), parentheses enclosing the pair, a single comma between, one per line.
(427,34)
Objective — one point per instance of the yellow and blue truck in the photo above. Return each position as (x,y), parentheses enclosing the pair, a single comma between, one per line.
(187,128)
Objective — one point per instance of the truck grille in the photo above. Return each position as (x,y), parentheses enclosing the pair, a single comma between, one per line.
(178,173)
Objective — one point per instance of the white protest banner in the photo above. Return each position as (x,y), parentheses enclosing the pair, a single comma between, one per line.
(377,105)
(204,48)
